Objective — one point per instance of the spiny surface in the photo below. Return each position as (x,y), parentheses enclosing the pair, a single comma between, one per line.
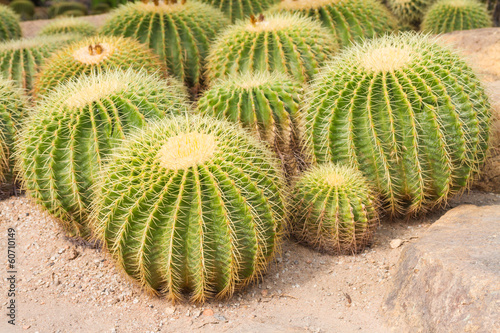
(68,25)
(241,9)
(191,204)
(349,20)
(280,42)
(73,129)
(96,54)
(409,113)
(180,34)
(9,24)
(409,11)
(334,209)
(21,59)
(452,15)
(12,106)
(266,104)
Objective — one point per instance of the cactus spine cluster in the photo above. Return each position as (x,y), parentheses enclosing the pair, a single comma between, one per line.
(9,24)
(73,129)
(68,25)
(191,204)
(282,42)
(409,113)
(21,59)
(95,54)
(349,20)
(451,15)
(334,209)
(241,9)
(12,104)
(266,104)
(180,32)
(409,11)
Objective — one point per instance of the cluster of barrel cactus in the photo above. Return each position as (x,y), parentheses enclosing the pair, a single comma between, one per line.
(306,118)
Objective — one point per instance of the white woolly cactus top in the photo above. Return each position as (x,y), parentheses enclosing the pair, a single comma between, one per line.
(304,4)
(73,24)
(187,150)
(35,42)
(277,22)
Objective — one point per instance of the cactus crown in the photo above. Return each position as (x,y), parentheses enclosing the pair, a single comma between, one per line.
(187,150)
(68,25)
(241,9)
(409,11)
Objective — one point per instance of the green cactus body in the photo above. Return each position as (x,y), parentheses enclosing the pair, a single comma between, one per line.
(71,13)
(9,24)
(64,141)
(21,59)
(451,15)
(180,33)
(12,105)
(266,104)
(349,20)
(191,204)
(63,7)
(283,42)
(68,25)
(25,8)
(101,8)
(409,11)
(241,9)
(96,54)
(409,113)
(334,209)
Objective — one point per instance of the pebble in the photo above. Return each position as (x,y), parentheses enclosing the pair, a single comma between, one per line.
(395,243)
(208,312)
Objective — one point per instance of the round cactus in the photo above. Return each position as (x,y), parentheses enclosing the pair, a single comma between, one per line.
(71,13)
(12,105)
(334,209)
(241,9)
(179,32)
(282,42)
(349,20)
(9,24)
(191,204)
(451,15)
(409,11)
(409,113)
(25,8)
(266,104)
(65,140)
(68,25)
(63,7)
(95,54)
(21,59)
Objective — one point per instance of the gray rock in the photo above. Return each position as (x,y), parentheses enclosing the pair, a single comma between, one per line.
(449,281)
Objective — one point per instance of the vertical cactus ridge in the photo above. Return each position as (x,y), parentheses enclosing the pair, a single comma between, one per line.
(21,59)
(179,32)
(95,54)
(191,204)
(241,9)
(71,131)
(24,8)
(68,25)
(9,24)
(452,15)
(409,11)
(334,209)
(408,112)
(12,106)
(349,20)
(266,104)
(282,42)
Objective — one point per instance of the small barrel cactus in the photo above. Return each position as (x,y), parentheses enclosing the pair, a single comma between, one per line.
(94,54)
(409,113)
(349,20)
(71,13)
(191,204)
(68,25)
(334,209)
(451,15)
(282,42)
(21,59)
(9,24)
(64,142)
(12,106)
(63,7)
(266,104)
(180,32)
(409,11)
(24,8)
(241,9)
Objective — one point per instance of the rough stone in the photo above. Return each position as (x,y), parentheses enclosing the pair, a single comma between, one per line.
(449,281)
